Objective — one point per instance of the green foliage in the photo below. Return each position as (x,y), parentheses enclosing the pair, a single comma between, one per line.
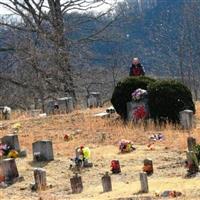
(197,151)
(167,98)
(123,91)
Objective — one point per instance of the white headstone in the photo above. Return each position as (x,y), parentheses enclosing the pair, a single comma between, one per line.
(186,119)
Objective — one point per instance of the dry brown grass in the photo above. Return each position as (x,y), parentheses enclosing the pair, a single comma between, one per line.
(88,130)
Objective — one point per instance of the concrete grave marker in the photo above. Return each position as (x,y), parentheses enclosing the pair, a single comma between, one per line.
(12,141)
(43,150)
(60,105)
(106,183)
(76,184)
(186,119)
(93,100)
(144,183)
(137,110)
(9,170)
(40,179)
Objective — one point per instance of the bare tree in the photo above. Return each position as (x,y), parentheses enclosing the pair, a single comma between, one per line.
(45,53)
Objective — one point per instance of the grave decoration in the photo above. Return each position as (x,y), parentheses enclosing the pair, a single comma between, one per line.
(126,146)
(137,109)
(9,146)
(115,167)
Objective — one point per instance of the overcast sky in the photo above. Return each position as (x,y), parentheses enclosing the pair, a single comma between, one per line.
(3,10)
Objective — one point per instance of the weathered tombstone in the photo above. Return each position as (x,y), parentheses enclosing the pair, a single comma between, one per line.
(43,150)
(191,143)
(148,166)
(186,119)
(65,104)
(106,183)
(40,179)
(144,183)
(76,184)
(9,170)
(93,100)
(193,163)
(135,108)
(12,141)
(61,105)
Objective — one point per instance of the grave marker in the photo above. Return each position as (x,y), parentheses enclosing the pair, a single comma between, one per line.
(144,183)
(43,150)
(106,183)
(40,179)
(76,184)
(186,119)
(9,170)
(12,141)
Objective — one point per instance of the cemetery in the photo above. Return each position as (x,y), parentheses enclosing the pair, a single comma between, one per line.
(141,151)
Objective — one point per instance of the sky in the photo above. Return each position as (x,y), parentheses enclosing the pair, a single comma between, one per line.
(3,10)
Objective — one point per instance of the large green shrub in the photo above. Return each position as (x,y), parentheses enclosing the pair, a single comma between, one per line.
(123,90)
(167,98)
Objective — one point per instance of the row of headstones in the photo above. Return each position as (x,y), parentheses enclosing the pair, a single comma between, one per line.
(66,104)
(77,185)
(43,151)
(10,171)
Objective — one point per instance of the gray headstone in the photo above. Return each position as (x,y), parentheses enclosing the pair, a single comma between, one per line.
(94,100)
(186,119)
(12,141)
(44,150)
(9,170)
(62,105)
(132,106)
(66,104)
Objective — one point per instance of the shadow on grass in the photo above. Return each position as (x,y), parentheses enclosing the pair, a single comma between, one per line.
(38,164)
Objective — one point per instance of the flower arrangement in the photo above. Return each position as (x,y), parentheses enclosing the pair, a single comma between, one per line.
(139,94)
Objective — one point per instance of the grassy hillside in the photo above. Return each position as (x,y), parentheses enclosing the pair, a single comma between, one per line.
(168,157)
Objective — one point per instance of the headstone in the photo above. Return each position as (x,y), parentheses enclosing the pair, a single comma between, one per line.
(43,150)
(193,163)
(93,100)
(76,184)
(191,142)
(186,119)
(148,166)
(12,141)
(65,104)
(40,179)
(61,105)
(144,183)
(9,170)
(106,183)
(137,110)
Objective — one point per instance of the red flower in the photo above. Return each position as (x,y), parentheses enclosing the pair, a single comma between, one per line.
(139,113)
